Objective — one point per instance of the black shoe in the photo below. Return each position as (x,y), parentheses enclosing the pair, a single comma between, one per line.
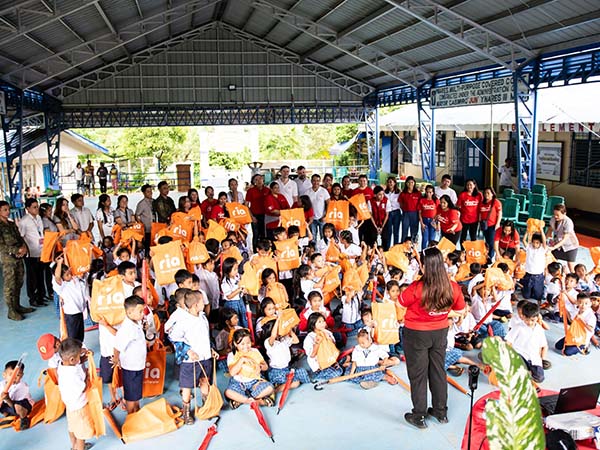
(416,420)
(441,418)
(24,309)
(24,423)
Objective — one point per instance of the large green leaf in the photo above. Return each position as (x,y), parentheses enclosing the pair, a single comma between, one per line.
(514,422)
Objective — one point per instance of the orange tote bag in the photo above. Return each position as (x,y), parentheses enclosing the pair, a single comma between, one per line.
(288,255)
(239,213)
(338,214)
(476,252)
(197,253)
(154,373)
(167,260)
(79,256)
(294,216)
(327,353)
(362,209)
(386,331)
(215,231)
(157,227)
(107,301)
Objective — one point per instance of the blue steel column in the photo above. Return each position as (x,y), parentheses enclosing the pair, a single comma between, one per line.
(525,93)
(426,133)
(53,129)
(13,146)
(372,137)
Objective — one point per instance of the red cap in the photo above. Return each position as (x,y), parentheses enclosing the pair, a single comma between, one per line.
(45,345)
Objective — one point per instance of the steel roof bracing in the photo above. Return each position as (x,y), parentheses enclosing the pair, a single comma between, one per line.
(224,54)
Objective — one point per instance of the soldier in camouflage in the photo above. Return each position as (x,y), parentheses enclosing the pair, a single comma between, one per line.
(12,251)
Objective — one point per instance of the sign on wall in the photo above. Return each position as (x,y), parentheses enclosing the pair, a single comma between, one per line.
(484,92)
(549,160)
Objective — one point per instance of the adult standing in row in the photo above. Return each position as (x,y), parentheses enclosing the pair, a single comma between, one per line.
(12,251)
(428,208)
(445,189)
(208,203)
(490,217)
(274,203)
(302,181)
(49,225)
(82,214)
(102,174)
(123,214)
(79,174)
(409,202)
(468,204)
(346,187)
(448,219)
(114,179)
(392,192)
(505,173)
(287,187)
(256,198)
(144,214)
(31,228)
(429,303)
(105,215)
(319,198)
(163,205)
(233,195)
(564,240)
(89,179)
(365,232)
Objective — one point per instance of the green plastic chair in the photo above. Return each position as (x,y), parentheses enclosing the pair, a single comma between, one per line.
(539,189)
(525,191)
(508,193)
(551,203)
(535,212)
(510,209)
(537,199)
(522,202)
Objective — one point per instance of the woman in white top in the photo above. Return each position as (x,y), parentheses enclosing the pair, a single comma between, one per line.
(234,195)
(105,216)
(565,242)
(123,215)
(392,192)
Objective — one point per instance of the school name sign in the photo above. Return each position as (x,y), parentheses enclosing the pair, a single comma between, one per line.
(484,92)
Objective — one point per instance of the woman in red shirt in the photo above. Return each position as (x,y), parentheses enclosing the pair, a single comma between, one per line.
(255,198)
(429,303)
(274,203)
(428,207)
(468,204)
(409,202)
(380,209)
(346,187)
(507,238)
(218,211)
(448,219)
(207,205)
(490,217)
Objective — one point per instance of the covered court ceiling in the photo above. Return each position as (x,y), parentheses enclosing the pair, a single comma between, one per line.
(132,53)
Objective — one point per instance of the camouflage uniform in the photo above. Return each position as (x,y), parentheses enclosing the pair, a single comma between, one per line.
(13,270)
(163,207)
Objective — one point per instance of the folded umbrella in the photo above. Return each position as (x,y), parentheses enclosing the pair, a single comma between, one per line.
(286,388)
(113,424)
(261,419)
(319,385)
(456,385)
(14,374)
(249,320)
(212,430)
(487,314)
(400,381)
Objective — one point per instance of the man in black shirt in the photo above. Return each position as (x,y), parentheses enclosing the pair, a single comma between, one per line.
(102,174)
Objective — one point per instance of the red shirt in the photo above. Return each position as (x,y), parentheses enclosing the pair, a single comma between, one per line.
(309,214)
(409,201)
(304,315)
(489,212)
(378,210)
(507,241)
(428,208)
(367,192)
(348,192)
(469,207)
(274,203)
(418,318)
(207,205)
(256,198)
(448,219)
(217,213)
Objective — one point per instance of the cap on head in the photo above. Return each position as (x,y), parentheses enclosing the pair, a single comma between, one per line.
(45,345)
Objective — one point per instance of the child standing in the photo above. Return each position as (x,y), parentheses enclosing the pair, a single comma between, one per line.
(232,292)
(73,296)
(351,303)
(17,401)
(72,379)
(130,352)
(535,264)
(245,365)
(318,332)
(366,356)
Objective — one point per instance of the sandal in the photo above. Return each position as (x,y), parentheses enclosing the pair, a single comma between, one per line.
(269,400)
(456,371)
(112,405)
(233,404)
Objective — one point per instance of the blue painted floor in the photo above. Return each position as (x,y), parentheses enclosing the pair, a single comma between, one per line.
(340,416)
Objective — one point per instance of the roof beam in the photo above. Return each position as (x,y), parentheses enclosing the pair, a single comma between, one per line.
(220,10)
(290,9)
(106,43)
(441,24)
(353,47)
(105,18)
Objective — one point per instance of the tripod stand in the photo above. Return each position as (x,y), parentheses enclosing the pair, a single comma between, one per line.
(473,379)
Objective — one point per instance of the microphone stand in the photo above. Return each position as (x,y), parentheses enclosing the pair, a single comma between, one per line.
(473,379)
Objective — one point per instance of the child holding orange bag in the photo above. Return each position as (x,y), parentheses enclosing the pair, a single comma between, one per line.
(245,365)
(317,327)
(17,400)
(587,318)
(366,356)
(73,296)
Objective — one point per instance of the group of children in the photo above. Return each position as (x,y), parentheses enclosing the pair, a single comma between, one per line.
(208,316)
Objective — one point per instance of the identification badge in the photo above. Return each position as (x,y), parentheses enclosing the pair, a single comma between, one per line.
(41,241)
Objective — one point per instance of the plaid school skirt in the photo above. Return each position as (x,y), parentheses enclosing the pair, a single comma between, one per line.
(452,357)
(375,376)
(249,388)
(278,376)
(330,372)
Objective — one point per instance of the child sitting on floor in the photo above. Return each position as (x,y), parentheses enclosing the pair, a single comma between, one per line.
(229,323)
(466,338)
(315,301)
(482,301)
(587,318)
(584,283)
(318,332)
(455,355)
(245,365)
(278,352)
(504,311)
(17,401)
(569,295)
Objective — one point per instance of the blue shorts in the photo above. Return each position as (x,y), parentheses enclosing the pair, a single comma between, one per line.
(186,373)
(133,381)
(106,370)
(249,388)
(10,410)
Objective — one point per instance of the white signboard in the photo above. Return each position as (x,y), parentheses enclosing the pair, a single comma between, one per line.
(2,103)
(484,92)
(549,160)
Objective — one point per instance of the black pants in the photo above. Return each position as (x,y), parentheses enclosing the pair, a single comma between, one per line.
(74,324)
(367,233)
(258,230)
(425,353)
(35,280)
(471,229)
(102,185)
(452,237)
(48,279)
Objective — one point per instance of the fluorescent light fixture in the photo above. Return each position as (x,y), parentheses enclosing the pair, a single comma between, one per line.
(232,87)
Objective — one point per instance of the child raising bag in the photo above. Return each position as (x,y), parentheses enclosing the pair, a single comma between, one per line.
(386,330)
(288,256)
(107,301)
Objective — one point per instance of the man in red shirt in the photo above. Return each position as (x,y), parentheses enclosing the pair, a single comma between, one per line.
(207,205)
(255,197)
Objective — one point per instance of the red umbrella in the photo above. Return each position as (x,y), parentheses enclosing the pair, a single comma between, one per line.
(212,430)
(261,419)
(145,281)
(288,382)
(374,290)
(249,320)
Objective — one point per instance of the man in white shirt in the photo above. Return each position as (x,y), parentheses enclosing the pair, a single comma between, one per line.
(143,213)
(32,230)
(445,189)
(505,173)
(319,197)
(82,215)
(288,188)
(303,183)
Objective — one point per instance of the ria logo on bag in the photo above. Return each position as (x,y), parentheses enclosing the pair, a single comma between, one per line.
(179,230)
(335,214)
(169,262)
(151,374)
(290,222)
(229,226)
(107,299)
(238,212)
(288,253)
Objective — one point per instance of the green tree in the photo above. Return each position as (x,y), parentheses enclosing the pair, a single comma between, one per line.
(280,142)
(163,143)
(230,161)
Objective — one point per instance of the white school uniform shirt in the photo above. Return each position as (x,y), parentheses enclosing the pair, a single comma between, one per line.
(515,321)
(18,391)
(367,357)
(479,278)
(452,270)
(279,353)
(351,309)
(107,340)
(450,338)
(467,324)
(195,332)
(309,345)
(571,308)
(128,289)
(589,318)
(528,342)
(131,343)
(318,199)
(173,319)
(505,303)
(307,286)
(535,262)
(209,283)
(449,192)
(73,295)
(351,250)
(72,386)
(354,230)
(228,285)
(322,246)
(83,217)
(479,308)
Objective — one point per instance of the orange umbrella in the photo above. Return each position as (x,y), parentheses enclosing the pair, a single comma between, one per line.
(400,381)
(212,430)
(145,274)
(113,424)
(456,385)
(261,419)
(14,374)
(288,382)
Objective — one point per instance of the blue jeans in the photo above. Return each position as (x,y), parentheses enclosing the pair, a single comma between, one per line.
(393,226)
(569,350)
(410,220)
(316,228)
(489,232)
(428,232)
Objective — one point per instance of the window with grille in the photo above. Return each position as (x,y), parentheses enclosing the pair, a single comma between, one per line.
(585,160)
(440,149)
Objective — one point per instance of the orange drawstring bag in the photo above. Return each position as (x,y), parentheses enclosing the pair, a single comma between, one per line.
(213,403)
(167,260)
(327,353)
(249,280)
(181,227)
(117,232)
(463,274)
(362,209)
(288,255)
(55,407)
(79,256)
(154,373)
(155,230)
(196,252)
(333,253)
(107,301)
(294,216)
(288,320)
(94,398)
(229,225)
(195,213)
(51,242)
(476,251)
(332,280)
(351,280)
(338,214)
(495,277)
(239,213)
(595,254)
(215,231)
(153,419)
(261,263)
(386,331)
(363,273)
(232,252)
(446,246)
(279,295)
(396,257)
(535,226)
(576,333)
